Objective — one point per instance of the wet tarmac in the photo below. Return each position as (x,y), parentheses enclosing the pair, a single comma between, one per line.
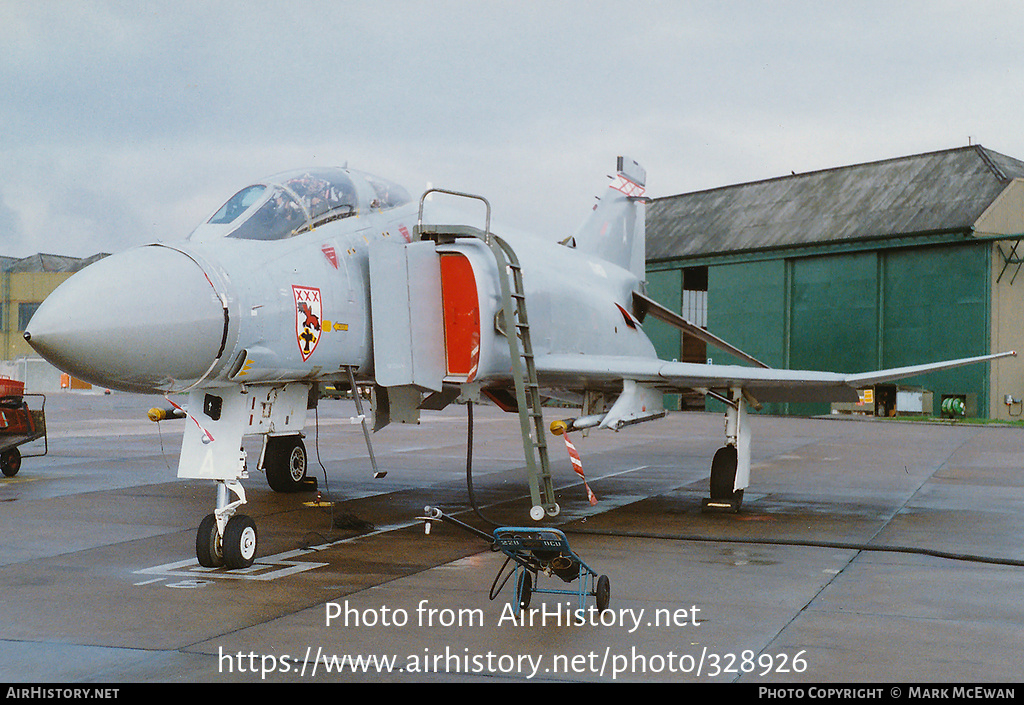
(866,551)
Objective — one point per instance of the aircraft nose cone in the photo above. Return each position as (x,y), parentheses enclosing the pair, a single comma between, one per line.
(145,320)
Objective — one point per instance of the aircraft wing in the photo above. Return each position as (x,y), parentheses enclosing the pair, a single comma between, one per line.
(763,384)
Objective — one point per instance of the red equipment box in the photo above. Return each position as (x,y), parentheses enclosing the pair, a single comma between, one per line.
(11,387)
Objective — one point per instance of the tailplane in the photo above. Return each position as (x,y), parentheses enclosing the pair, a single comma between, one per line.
(615,230)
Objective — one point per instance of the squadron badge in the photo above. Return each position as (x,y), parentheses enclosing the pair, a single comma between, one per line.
(308,312)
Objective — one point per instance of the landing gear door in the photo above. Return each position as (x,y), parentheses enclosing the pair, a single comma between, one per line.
(211,444)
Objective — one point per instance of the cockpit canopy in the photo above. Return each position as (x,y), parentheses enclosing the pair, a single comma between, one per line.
(296,202)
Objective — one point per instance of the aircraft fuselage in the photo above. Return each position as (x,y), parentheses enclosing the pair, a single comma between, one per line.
(218,310)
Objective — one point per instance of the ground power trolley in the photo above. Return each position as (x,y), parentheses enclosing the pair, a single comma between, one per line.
(535,551)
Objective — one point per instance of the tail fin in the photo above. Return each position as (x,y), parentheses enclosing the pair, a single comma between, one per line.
(615,230)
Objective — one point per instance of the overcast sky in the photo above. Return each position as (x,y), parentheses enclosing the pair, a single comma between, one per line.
(127,122)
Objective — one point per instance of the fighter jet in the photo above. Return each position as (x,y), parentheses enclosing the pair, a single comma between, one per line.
(332,276)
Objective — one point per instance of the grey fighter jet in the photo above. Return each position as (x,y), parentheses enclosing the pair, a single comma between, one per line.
(336,277)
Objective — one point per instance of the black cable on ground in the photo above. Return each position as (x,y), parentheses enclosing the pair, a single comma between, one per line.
(710,539)
(792,542)
(316,444)
(469,466)
(346,521)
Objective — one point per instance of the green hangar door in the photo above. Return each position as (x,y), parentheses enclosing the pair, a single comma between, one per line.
(862,311)
(936,304)
(833,317)
(859,311)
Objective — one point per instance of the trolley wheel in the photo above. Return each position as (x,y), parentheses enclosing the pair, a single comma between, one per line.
(603,593)
(208,543)
(524,589)
(239,542)
(10,462)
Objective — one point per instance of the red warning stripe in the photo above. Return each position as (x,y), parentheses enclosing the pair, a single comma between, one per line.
(577,465)
(207,436)
(627,187)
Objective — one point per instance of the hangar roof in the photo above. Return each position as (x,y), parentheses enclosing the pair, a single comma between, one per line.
(42,262)
(937,192)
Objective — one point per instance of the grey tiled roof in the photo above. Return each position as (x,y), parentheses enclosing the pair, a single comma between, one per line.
(921,194)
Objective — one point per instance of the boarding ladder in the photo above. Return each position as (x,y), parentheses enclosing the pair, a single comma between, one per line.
(520,347)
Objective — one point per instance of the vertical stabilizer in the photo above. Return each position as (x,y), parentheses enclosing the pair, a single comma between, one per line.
(615,230)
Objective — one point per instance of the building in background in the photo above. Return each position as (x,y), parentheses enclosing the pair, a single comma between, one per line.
(24,283)
(883,264)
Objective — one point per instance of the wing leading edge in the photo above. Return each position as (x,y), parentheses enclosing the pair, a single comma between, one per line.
(763,384)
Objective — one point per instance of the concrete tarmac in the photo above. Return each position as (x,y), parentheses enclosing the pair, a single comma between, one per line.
(866,552)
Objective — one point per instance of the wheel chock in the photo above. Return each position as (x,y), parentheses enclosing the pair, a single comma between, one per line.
(720,506)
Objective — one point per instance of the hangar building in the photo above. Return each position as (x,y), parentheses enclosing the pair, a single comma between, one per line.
(876,265)
(24,283)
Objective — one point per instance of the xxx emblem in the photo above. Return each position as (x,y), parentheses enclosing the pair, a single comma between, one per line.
(308,312)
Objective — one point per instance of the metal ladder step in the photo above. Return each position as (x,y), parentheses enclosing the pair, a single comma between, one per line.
(527,386)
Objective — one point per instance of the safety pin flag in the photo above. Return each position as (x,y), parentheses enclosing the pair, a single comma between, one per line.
(577,465)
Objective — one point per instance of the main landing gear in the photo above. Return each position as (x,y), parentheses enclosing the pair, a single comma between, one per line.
(723,481)
(730,468)
(285,464)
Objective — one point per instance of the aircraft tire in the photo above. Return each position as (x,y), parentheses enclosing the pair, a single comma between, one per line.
(208,543)
(285,463)
(10,462)
(603,593)
(239,543)
(524,589)
(723,476)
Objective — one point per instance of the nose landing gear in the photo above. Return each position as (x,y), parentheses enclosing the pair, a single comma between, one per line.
(225,538)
